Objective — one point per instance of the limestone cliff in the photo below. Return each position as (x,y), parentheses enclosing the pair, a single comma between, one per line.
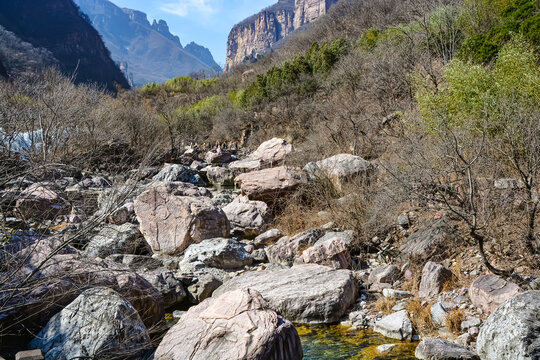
(256,34)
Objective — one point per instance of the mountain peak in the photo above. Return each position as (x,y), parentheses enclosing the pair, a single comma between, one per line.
(162,27)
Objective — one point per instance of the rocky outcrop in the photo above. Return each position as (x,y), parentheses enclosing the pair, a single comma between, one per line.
(236,325)
(172,217)
(489,291)
(98,323)
(513,330)
(430,242)
(303,293)
(256,34)
(342,168)
(331,252)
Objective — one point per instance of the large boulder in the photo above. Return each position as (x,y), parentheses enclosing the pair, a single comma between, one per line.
(99,323)
(287,249)
(342,168)
(303,293)
(179,173)
(442,349)
(173,216)
(395,326)
(434,277)
(219,176)
(59,279)
(489,291)
(271,184)
(114,239)
(245,165)
(331,252)
(272,151)
(267,237)
(431,242)
(236,325)
(219,253)
(248,218)
(513,330)
(218,156)
(36,201)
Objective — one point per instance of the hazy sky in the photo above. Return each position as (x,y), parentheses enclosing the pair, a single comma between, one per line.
(207,22)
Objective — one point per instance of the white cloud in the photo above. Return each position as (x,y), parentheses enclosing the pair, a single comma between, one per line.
(185,7)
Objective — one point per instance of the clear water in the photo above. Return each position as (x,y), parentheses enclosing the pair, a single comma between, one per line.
(338,342)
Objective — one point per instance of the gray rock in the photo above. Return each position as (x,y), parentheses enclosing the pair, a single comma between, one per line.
(470,322)
(346,236)
(28,355)
(384,348)
(304,293)
(403,221)
(219,253)
(247,218)
(396,294)
(385,274)
(122,215)
(434,277)
(286,249)
(267,238)
(137,262)
(218,156)
(219,176)
(439,312)
(181,173)
(97,323)
(203,288)
(332,252)
(170,287)
(441,349)
(236,325)
(342,168)
(37,201)
(269,185)
(395,326)
(512,331)
(430,242)
(114,239)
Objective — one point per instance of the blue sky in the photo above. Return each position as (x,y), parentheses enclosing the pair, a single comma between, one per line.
(207,22)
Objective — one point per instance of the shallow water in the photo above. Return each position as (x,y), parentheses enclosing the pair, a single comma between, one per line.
(338,342)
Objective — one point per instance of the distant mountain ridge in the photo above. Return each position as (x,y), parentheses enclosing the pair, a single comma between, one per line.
(256,34)
(149,52)
(55,31)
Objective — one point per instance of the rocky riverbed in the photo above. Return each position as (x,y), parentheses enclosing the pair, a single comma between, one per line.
(91,263)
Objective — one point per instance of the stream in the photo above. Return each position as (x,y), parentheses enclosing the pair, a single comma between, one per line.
(336,342)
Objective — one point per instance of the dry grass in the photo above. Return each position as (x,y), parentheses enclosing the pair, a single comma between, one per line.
(454,320)
(421,317)
(385,305)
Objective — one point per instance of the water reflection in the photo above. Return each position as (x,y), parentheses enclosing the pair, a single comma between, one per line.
(338,342)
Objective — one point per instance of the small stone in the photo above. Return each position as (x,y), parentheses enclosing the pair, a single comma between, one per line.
(396,294)
(29,355)
(464,339)
(385,348)
(441,349)
(470,322)
(403,221)
(474,330)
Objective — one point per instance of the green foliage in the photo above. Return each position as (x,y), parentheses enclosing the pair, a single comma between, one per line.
(517,17)
(182,84)
(369,38)
(298,76)
(474,94)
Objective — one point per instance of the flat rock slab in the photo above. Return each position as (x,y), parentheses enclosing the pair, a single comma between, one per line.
(395,326)
(237,325)
(489,291)
(303,293)
(441,349)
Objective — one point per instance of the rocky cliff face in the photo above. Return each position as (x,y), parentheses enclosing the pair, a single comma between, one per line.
(148,50)
(256,34)
(58,27)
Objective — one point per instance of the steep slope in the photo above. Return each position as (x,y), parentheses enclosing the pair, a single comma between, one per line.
(151,52)
(256,34)
(57,26)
